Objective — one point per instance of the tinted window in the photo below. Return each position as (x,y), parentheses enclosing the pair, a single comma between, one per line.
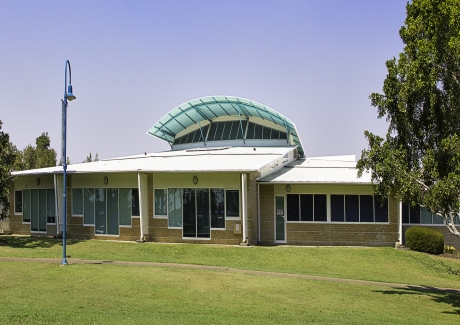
(337,208)
(306,207)
(293,208)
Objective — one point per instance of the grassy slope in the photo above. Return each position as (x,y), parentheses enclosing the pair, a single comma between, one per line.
(377,264)
(40,293)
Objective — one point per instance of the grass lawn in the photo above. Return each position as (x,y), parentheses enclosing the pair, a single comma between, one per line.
(45,293)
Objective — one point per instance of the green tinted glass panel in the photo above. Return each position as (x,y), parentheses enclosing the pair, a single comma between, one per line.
(217,208)
(42,210)
(26,206)
(425,216)
(50,206)
(77,201)
(89,199)
(100,211)
(174,207)
(34,210)
(124,207)
(160,202)
(112,211)
(437,220)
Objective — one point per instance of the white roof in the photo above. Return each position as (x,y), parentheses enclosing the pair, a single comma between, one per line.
(320,170)
(238,159)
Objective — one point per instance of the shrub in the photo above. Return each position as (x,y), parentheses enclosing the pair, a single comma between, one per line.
(425,240)
(449,249)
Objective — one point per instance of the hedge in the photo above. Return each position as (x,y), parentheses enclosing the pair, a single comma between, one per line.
(425,240)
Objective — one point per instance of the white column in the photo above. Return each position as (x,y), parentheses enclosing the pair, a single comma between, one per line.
(143,204)
(400,222)
(244,207)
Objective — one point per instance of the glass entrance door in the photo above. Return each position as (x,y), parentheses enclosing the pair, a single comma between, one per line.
(195,213)
(280,225)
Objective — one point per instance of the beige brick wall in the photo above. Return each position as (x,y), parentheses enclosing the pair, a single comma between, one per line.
(252,207)
(326,234)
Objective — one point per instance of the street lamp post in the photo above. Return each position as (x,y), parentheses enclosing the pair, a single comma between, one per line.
(68,96)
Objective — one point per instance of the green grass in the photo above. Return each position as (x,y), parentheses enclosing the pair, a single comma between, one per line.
(41,293)
(375,264)
(45,293)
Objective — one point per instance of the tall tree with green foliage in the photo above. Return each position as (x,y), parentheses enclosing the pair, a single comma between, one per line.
(40,156)
(419,158)
(90,158)
(7,157)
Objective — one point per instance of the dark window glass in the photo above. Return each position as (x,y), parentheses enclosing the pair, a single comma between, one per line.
(320,205)
(176,141)
(306,207)
(266,132)
(366,205)
(18,201)
(227,129)
(414,214)
(275,134)
(124,206)
(250,132)
(189,217)
(212,131)
(50,206)
(381,211)
(405,213)
(283,136)
(160,202)
(42,210)
(135,203)
(232,203)
(217,208)
(219,131)
(293,207)
(352,208)
(337,208)
(34,210)
(235,129)
(89,200)
(202,213)
(258,131)
(242,125)
(182,139)
(205,131)
(194,136)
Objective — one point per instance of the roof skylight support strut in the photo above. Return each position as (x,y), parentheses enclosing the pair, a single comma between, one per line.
(241,125)
(201,130)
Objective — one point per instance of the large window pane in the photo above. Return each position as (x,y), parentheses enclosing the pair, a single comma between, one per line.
(112,211)
(306,207)
(188,210)
(293,207)
(425,216)
(234,131)
(217,208)
(77,201)
(352,208)
(414,214)
(34,210)
(26,206)
(258,131)
(381,209)
(18,201)
(124,206)
(135,208)
(250,131)
(320,207)
(202,213)
(438,220)
(232,203)
(160,202)
(174,207)
(337,208)
(405,213)
(366,208)
(50,206)
(42,210)
(100,211)
(89,200)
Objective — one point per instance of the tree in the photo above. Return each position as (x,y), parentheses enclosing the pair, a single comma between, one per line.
(90,158)
(419,159)
(40,156)
(7,158)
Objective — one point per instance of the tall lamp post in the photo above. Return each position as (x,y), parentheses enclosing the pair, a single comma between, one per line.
(68,96)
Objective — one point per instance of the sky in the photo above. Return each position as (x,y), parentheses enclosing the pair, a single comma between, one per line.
(315,62)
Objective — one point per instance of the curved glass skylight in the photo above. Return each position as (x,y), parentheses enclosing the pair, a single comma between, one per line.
(228,119)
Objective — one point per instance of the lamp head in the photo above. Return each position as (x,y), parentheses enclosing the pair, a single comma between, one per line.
(70,95)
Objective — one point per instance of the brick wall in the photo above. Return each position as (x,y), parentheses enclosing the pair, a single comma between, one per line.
(326,234)
(252,207)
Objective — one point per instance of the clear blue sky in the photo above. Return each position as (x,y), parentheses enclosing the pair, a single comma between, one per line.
(133,61)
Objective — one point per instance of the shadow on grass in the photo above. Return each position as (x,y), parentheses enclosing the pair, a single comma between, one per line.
(33,242)
(446,296)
